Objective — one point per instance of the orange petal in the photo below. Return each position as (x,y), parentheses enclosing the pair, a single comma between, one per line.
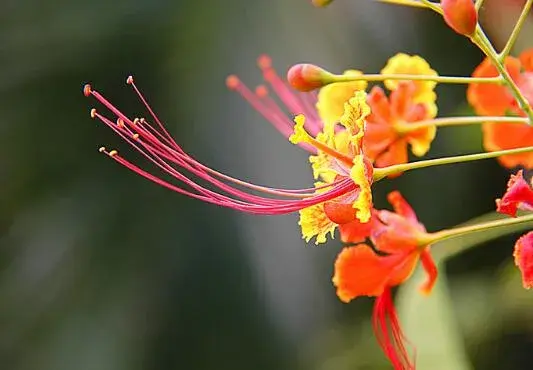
(359,271)
(431,270)
(490,99)
(400,205)
(523,258)
(526,58)
(499,136)
(396,153)
(356,231)
(402,98)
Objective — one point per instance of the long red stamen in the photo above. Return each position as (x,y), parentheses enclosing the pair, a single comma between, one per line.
(157,145)
(389,332)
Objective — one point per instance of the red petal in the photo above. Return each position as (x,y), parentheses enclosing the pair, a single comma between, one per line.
(518,195)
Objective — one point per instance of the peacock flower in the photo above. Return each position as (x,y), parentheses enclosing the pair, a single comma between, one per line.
(497,100)
(523,258)
(360,270)
(176,170)
(339,157)
(519,195)
(388,131)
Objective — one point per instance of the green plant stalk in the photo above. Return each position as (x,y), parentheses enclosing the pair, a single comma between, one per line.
(464,230)
(380,173)
(481,40)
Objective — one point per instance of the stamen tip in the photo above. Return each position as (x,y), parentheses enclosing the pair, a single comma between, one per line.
(113,153)
(261,91)
(232,82)
(87,90)
(264,61)
(102,149)
(93,113)
(129,80)
(135,136)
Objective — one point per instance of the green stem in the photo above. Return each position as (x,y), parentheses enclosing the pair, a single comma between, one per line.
(410,77)
(459,231)
(380,173)
(481,40)
(459,121)
(413,3)
(516,31)
(433,6)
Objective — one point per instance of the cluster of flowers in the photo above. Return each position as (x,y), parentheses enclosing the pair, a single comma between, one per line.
(356,138)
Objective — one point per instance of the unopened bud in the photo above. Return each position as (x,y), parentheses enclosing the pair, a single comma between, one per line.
(307,77)
(321,3)
(460,15)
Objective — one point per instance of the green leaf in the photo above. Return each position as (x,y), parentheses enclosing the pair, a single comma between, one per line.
(429,322)
(431,326)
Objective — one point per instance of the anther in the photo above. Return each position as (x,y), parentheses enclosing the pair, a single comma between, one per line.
(93,113)
(129,80)
(102,149)
(136,121)
(113,153)
(264,62)
(87,90)
(135,136)
(142,120)
(120,122)
(261,91)
(232,82)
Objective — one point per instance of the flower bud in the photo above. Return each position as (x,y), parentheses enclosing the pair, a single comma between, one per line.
(307,77)
(460,15)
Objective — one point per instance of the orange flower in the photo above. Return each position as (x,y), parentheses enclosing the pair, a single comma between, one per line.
(519,195)
(497,100)
(523,258)
(387,133)
(361,271)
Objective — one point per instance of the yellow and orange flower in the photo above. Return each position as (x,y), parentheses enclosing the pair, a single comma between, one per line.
(361,271)
(388,131)
(339,159)
(497,100)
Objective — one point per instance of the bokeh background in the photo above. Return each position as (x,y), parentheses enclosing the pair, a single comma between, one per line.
(100,269)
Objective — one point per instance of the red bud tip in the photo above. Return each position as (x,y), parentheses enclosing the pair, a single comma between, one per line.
(93,113)
(264,62)
(129,80)
(321,3)
(460,15)
(87,90)
(261,91)
(232,82)
(306,77)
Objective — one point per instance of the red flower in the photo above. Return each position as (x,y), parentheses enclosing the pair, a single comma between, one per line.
(360,271)
(523,258)
(496,100)
(519,195)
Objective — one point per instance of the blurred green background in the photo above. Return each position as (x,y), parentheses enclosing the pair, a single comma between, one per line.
(100,269)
